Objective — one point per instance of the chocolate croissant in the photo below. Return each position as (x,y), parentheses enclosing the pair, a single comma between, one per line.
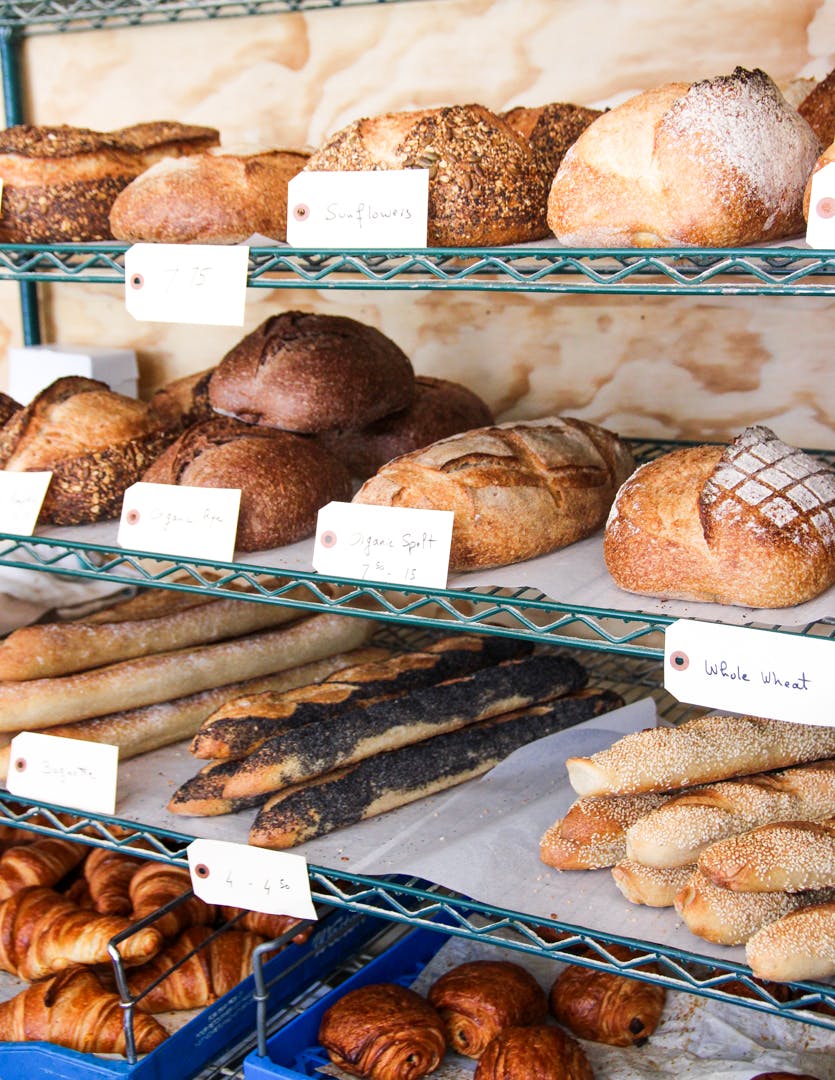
(479,999)
(606,1007)
(533,1053)
(383,1031)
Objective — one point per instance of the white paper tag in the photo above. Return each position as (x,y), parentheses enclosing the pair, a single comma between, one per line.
(820,228)
(396,544)
(760,672)
(187,283)
(379,209)
(275,882)
(69,772)
(172,520)
(21,497)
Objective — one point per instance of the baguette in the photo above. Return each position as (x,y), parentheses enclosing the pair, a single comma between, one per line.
(730,918)
(592,834)
(800,945)
(202,795)
(243,724)
(650,885)
(677,832)
(149,727)
(381,783)
(43,703)
(712,747)
(321,746)
(788,856)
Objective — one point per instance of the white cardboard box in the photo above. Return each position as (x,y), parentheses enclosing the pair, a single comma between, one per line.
(34,367)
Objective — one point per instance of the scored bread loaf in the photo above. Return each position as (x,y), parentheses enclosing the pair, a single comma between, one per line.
(592,834)
(284,479)
(781,855)
(712,747)
(516,490)
(751,524)
(650,885)
(484,184)
(800,945)
(222,196)
(716,163)
(676,833)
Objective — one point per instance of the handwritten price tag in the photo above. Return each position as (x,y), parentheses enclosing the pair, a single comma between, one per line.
(275,882)
(760,672)
(21,497)
(187,283)
(384,543)
(820,228)
(382,209)
(69,772)
(173,520)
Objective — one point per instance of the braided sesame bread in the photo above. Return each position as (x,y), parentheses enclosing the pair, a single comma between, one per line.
(593,832)
(781,855)
(650,885)
(751,524)
(800,945)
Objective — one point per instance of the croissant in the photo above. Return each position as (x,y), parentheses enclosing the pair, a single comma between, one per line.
(479,999)
(219,962)
(533,1053)
(43,932)
(156,884)
(108,874)
(73,1009)
(606,1007)
(383,1031)
(43,862)
(268,926)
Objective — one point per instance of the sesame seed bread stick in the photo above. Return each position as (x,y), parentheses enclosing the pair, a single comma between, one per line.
(650,885)
(785,856)
(677,832)
(801,945)
(592,834)
(708,748)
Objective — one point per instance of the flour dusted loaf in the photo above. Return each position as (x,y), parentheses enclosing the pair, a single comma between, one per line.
(715,163)
(59,182)
(95,442)
(221,196)
(305,372)
(517,490)
(485,186)
(283,479)
(751,524)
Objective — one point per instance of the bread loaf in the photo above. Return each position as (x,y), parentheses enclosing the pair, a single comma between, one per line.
(484,184)
(752,524)
(516,490)
(716,163)
(222,196)
(440,408)
(800,945)
(284,480)
(550,130)
(818,109)
(593,832)
(678,832)
(780,856)
(8,407)
(59,182)
(716,746)
(305,373)
(183,402)
(650,885)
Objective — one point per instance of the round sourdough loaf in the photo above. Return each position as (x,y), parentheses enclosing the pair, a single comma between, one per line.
(721,162)
(751,524)
(440,408)
(283,478)
(484,184)
(220,197)
(304,372)
(516,490)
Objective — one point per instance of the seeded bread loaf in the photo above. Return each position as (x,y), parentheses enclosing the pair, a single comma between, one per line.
(800,945)
(781,855)
(550,129)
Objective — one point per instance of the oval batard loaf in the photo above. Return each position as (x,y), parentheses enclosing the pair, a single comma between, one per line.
(305,372)
(781,855)
(283,479)
(440,408)
(220,197)
(752,524)
(718,163)
(485,187)
(516,490)
(800,945)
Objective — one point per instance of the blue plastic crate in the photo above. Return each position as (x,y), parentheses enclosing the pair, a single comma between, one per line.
(294,1050)
(218,1027)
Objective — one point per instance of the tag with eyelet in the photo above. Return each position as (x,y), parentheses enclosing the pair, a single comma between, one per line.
(738,669)
(275,882)
(70,772)
(820,228)
(170,519)
(203,284)
(21,497)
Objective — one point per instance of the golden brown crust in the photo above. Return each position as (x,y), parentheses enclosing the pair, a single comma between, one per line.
(800,945)
(650,885)
(183,402)
(550,129)
(479,999)
(781,855)
(484,184)
(534,1053)
(592,834)
(818,109)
